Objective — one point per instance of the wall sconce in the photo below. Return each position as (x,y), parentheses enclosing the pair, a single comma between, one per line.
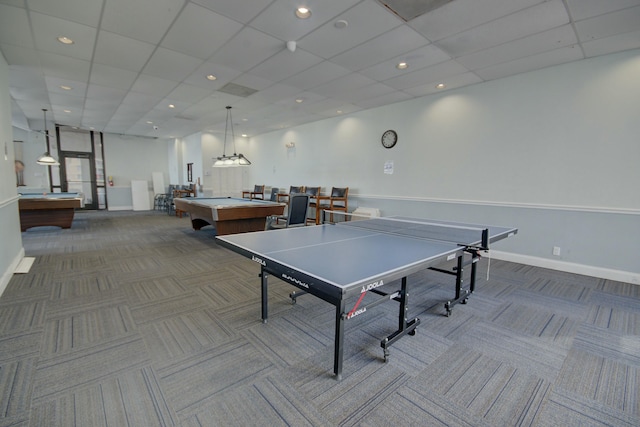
(290,144)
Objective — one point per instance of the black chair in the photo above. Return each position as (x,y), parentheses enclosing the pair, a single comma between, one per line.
(274,194)
(296,216)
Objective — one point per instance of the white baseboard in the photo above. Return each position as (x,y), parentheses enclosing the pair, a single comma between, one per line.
(4,280)
(569,267)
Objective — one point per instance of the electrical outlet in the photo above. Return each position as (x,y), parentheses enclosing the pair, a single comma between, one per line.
(556,250)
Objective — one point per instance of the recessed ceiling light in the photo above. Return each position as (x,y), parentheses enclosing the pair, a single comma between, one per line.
(172,106)
(149,122)
(303,12)
(211,77)
(65,87)
(339,111)
(299,100)
(402,65)
(440,86)
(65,40)
(67,111)
(244,119)
(244,135)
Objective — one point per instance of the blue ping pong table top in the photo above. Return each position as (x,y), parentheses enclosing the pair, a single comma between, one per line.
(348,257)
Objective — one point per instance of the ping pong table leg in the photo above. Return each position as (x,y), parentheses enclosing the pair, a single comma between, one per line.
(265,299)
(339,341)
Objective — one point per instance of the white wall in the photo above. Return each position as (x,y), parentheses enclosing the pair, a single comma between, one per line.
(11,250)
(130,158)
(554,152)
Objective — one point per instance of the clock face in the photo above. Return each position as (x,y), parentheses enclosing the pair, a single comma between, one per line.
(389,138)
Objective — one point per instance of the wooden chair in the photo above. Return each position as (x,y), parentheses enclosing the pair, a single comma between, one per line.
(338,200)
(292,190)
(296,214)
(257,193)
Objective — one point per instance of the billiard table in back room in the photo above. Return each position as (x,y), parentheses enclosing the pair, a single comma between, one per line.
(50,209)
(227,214)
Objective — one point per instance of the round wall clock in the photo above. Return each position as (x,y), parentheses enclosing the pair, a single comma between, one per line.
(389,138)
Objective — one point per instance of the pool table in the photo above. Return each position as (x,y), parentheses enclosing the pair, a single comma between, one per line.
(227,214)
(49,209)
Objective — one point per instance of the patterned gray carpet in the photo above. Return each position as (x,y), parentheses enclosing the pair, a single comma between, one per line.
(133,319)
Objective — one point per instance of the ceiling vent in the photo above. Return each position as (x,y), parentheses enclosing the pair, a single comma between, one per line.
(410,9)
(237,90)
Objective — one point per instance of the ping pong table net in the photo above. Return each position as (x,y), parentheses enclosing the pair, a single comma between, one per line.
(471,236)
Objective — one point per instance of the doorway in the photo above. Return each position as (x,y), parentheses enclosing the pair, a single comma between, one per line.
(82,166)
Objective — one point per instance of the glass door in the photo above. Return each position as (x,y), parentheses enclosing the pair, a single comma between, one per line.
(78,177)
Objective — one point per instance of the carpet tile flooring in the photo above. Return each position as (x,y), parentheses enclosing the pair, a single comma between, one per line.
(134,319)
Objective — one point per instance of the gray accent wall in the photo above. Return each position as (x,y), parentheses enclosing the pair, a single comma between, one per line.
(553,152)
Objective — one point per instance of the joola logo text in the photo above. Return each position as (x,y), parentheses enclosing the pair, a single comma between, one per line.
(355,313)
(371,286)
(258,260)
(294,280)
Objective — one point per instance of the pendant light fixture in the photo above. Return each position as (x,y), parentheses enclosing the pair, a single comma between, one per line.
(46,159)
(235,159)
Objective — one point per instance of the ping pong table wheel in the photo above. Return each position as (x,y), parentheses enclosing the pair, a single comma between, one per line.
(386,355)
(448,313)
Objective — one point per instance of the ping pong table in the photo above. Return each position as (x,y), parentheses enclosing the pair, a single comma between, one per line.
(343,261)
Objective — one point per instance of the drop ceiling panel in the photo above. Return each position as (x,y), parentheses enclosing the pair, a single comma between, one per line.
(284,64)
(247,49)
(316,75)
(14,27)
(189,93)
(366,20)
(530,63)
(462,15)
(275,93)
(46,30)
(20,56)
(341,87)
(85,12)
(612,44)
(280,21)
(122,52)
(610,24)
(199,32)
(512,27)
(65,67)
(420,58)
(222,74)
(240,11)
(112,77)
(95,91)
(381,48)
(426,75)
(531,45)
(452,82)
(583,9)
(152,85)
(145,20)
(54,85)
(171,65)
